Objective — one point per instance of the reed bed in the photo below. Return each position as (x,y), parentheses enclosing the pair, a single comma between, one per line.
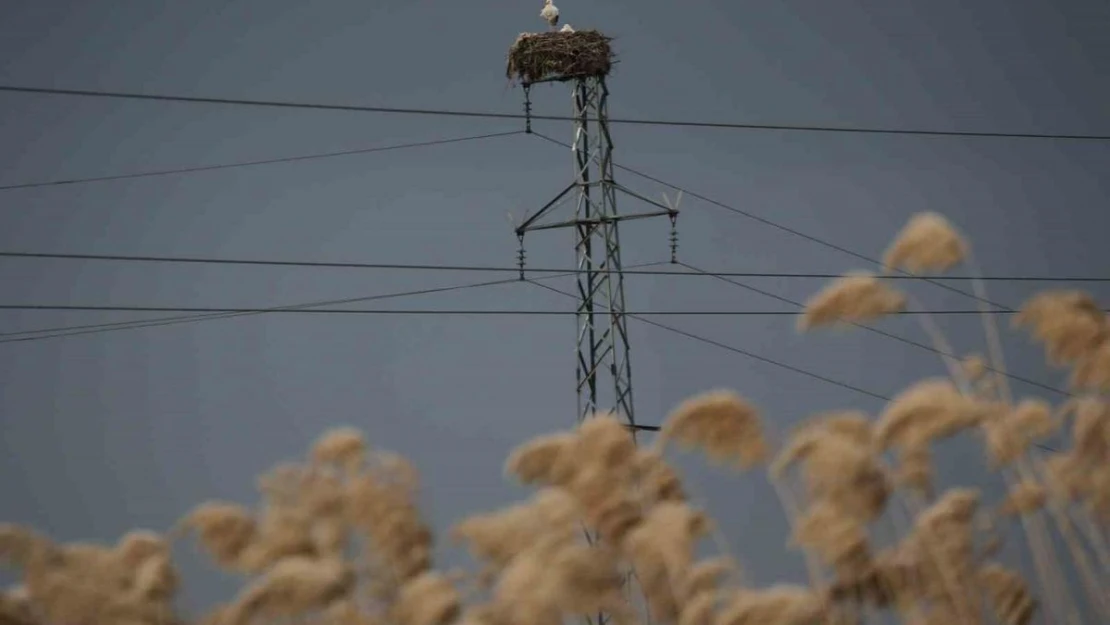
(339,540)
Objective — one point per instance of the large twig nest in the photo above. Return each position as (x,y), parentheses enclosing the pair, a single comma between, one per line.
(560,55)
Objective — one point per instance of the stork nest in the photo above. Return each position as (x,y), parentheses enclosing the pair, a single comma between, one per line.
(559,56)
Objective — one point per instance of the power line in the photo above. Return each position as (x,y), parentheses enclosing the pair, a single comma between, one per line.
(77,330)
(444,311)
(736,350)
(998,308)
(873,329)
(505,269)
(778,226)
(49,333)
(495,115)
(754,356)
(269,161)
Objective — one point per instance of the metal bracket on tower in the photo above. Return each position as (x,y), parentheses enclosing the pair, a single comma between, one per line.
(674,238)
(527,108)
(604,374)
(520,254)
(673,214)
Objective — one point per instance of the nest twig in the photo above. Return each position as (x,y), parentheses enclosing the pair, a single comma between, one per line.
(540,56)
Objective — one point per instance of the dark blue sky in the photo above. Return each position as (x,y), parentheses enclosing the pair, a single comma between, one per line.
(109,431)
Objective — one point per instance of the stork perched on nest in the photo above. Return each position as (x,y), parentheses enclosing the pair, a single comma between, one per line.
(566,29)
(550,14)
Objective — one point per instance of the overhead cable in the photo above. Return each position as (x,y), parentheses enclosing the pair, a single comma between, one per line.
(778,226)
(443,112)
(49,333)
(872,329)
(268,161)
(204,260)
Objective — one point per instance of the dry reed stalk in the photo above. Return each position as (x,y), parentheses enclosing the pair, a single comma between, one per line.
(1091,436)
(16,607)
(848,476)
(1033,420)
(940,343)
(224,529)
(857,297)
(724,549)
(495,538)
(891,581)
(1009,434)
(1091,450)
(926,412)
(901,568)
(292,547)
(928,242)
(777,605)
(974,367)
(725,426)
(1092,533)
(661,551)
(855,426)
(790,506)
(543,460)
(553,580)
(1069,324)
(382,507)
(699,609)
(132,582)
(845,488)
(1027,498)
(1044,557)
(945,238)
(1008,595)
(427,599)
(342,447)
(1091,372)
(944,532)
(837,538)
(1098,593)
(348,612)
(293,586)
(915,471)
(657,481)
(804,442)
(990,329)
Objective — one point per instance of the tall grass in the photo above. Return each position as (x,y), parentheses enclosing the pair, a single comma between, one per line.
(338,539)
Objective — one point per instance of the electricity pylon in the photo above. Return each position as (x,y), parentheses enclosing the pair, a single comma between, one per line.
(604,370)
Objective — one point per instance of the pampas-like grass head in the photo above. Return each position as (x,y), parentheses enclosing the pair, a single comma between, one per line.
(345,447)
(722,424)
(927,411)
(338,538)
(855,298)
(928,242)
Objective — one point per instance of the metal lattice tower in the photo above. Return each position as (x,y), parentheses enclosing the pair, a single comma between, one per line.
(604,372)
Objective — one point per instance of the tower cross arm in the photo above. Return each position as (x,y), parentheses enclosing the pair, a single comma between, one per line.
(598,220)
(667,210)
(529,224)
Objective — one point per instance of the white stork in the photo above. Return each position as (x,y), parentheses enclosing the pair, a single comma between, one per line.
(550,14)
(566,29)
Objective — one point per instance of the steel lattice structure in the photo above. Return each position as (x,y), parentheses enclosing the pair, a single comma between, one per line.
(603,345)
(602,340)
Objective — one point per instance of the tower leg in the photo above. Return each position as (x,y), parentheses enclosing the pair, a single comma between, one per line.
(603,366)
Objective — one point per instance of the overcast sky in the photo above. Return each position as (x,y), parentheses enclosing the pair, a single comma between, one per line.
(109,431)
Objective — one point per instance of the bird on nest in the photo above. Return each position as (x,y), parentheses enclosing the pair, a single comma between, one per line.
(550,14)
(566,29)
